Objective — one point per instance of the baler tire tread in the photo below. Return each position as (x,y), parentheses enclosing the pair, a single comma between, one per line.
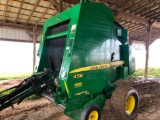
(85,113)
(118,102)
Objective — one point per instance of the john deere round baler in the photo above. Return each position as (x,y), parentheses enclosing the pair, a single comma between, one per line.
(83,51)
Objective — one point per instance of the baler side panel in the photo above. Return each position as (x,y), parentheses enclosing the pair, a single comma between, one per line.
(115,55)
(91,51)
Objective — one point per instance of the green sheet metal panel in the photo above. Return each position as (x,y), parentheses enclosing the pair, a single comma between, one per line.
(70,14)
(127,55)
(91,48)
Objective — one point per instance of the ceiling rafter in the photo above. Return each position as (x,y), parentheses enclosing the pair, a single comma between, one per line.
(29,34)
(128,16)
(119,7)
(36,4)
(19,26)
(21,18)
(137,29)
(111,4)
(24,15)
(133,4)
(43,15)
(136,18)
(144,9)
(132,25)
(55,4)
(4,5)
(152,16)
(139,38)
(74,1)
(21,4)
(136,33)
(146,12)
(156,17)
(5,11)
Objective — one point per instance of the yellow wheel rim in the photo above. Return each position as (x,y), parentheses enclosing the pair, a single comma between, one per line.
(130,104)
(93,115)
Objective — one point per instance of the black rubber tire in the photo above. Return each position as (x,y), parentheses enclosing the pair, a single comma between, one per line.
(118,102)
(86,112)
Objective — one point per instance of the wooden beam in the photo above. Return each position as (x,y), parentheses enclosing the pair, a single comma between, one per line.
(137,28)
(136,18)
(132,10)
(24,19)
(19,10)
(43,15)
(60,6)
(17,40)
(71,1)
(143,10)
(5,12)
(156,17)
(139,5)
(131,4)
(156,24)
(152,42)
(29,34)
(18,26)
(147,14)
(112,3)
(132,17)
(121,5)
(138,34)
(19,18)
(153,16)
(147,50)
(55,4)
(38,34)
(13,7)
(36,4)
(34,46)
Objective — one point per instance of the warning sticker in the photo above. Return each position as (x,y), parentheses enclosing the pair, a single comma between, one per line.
(73,28)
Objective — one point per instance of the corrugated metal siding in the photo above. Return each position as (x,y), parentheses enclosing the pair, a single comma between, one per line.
(14,34)
(39,38)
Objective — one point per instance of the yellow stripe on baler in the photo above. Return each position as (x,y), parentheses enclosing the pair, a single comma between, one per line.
(97,67)
(117,63)
(65,84)
(90,68)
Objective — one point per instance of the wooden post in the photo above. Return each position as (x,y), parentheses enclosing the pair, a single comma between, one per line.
(60,6)
(34,46)
(147,49)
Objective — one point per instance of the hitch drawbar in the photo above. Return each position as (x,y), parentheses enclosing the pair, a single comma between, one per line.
(29,86)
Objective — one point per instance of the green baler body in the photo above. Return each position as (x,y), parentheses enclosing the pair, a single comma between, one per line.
(87,38)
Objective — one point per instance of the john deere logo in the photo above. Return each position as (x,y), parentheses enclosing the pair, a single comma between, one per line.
(58,18)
